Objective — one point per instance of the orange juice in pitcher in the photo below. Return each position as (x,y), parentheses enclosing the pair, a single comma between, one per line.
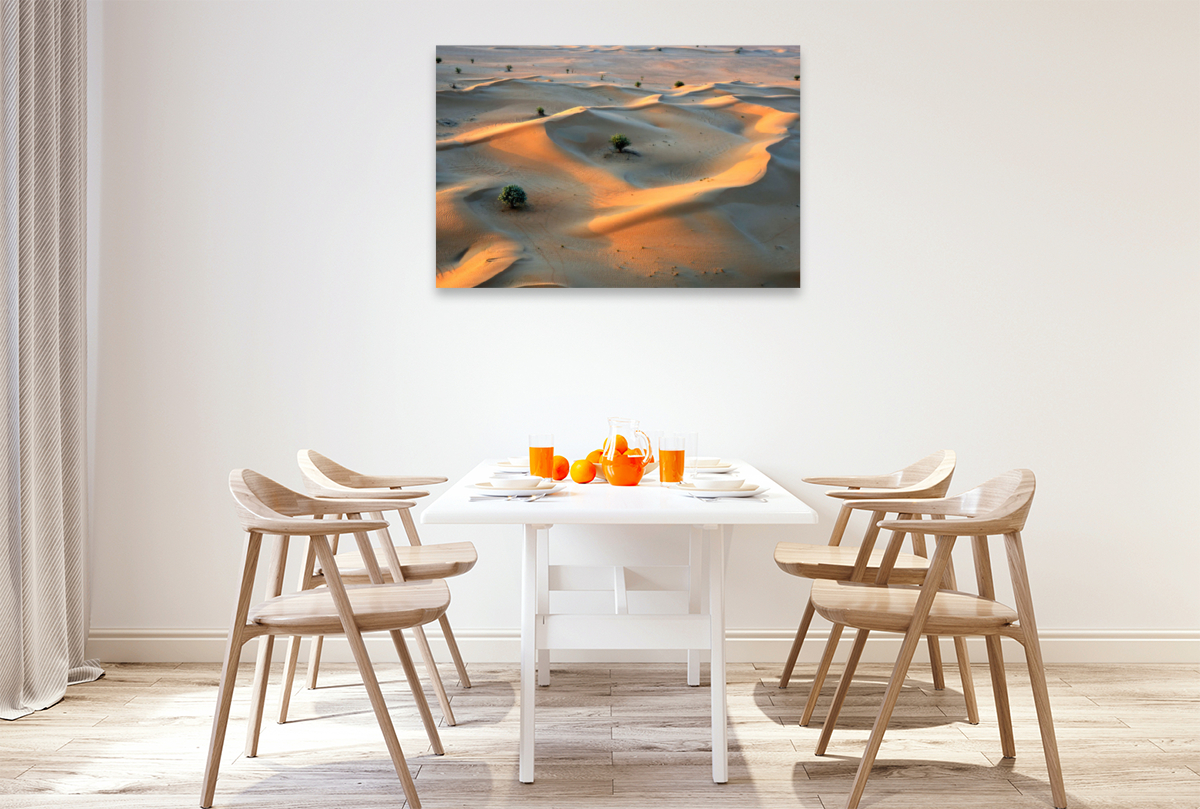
(627,453)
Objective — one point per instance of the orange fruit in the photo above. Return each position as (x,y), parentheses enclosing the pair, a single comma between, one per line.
(559,467)
(583,471)
(622,445)
(594,455)
(634,451)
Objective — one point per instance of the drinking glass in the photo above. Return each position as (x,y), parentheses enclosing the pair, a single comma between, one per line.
(691,450)
(671,455)
(541,454)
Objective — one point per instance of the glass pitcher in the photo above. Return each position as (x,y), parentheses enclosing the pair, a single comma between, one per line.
(628,453)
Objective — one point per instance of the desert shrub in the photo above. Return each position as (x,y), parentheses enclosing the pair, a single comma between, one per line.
(541,110)
(601,77)
(637,84)
(513,196)
(472,61)
(439,59)
(508,68)
(458,70)
(797,77)
(619,141)
(739,50)
(678,84)
(453,86)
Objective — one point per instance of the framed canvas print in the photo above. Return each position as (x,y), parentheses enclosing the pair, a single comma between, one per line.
(618,166)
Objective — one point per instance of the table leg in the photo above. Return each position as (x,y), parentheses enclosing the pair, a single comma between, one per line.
(695,565)
(543,599)
(716,608)
(529,594)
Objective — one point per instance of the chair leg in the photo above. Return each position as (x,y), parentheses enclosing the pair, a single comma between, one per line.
(258,694)
(434,676)
(839,697)
(220,721)
(314,661)
(233,651)
(790,663)
(464,679)
(935,662)
(968,682)
(935,647)
(1037,669)
(895,685)
(367,672)
(289,676)
(835,634)
(1008,743)
(912,638)
(414,684)
(964,658)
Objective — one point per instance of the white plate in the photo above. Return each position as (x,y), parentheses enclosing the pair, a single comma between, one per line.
(498,489)
(709,470)
(708,465)
(509,466)
(747,490)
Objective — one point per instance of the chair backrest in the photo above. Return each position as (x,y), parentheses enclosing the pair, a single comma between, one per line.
(327,478)
(1003,501)
(932,470)
(261,501)
(928,477)
(999,506)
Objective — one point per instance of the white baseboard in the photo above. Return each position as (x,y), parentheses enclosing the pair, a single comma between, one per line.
(742,646)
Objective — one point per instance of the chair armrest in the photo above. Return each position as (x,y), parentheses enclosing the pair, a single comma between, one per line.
(372,494)
(878,494)
(855,481)
(915,505)
(949,528)
(397,481)
(348,505)
(309,528)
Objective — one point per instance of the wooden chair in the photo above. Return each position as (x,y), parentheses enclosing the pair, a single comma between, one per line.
(928,477)
(264,507)
(405,563)
(998,507)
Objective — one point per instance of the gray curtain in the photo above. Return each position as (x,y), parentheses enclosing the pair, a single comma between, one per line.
(43,496)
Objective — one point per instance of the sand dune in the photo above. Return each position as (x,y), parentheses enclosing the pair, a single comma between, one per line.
(707,194)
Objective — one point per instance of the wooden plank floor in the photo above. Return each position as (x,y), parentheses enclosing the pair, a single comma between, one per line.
(610,736)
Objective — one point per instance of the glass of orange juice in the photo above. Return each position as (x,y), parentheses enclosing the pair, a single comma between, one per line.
(541,454)
(670,457)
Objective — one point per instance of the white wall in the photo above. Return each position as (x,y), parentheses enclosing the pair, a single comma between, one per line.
(1000,256)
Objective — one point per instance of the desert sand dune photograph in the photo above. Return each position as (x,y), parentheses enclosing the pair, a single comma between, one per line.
(618,166)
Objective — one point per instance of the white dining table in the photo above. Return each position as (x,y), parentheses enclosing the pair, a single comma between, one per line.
(597,503)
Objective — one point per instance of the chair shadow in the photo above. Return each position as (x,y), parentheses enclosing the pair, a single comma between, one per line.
(862,703)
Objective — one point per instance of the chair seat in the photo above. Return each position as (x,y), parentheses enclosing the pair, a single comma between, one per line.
(889,608)
(417,562)
(376,607)
(837,563)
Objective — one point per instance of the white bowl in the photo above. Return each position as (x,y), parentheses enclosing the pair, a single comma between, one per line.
(518,482)
(700,463)
(519,461)
(723,483)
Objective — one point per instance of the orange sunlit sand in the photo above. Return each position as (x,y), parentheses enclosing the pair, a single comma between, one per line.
(707,193)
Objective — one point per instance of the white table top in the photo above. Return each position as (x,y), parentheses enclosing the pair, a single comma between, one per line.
(648,503)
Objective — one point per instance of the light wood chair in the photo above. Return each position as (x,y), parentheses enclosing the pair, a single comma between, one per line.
(266,508)
(998,507)
(406,563)
(928,477)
